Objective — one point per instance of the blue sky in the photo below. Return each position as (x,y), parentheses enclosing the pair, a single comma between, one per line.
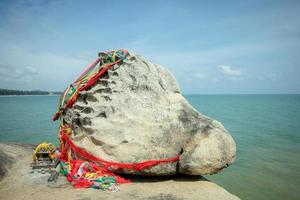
(211,47)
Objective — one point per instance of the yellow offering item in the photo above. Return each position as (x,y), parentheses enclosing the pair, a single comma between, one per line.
(44,148)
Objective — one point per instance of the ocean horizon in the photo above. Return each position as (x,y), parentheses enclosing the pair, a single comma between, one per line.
(265,128)
(184,94)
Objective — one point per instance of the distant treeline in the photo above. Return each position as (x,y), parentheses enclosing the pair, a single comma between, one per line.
(22,92)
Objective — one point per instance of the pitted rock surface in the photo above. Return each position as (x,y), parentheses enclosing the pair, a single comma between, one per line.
(137,113)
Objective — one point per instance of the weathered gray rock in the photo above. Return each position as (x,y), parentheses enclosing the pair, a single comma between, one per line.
(137,113)
(10,153)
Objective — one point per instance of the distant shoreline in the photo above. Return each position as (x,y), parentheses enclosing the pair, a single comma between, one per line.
(19,95)
(8,92)
(242,94)
(22,95)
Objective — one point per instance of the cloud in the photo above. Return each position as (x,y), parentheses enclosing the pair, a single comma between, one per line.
(269,77)
(215,80)
(139,45)
(17,74)
(31,69)
(37,70)
(229,71)
(200,76)
(207,77)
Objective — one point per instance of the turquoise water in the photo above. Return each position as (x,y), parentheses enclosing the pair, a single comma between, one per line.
(28,119)
(266,129)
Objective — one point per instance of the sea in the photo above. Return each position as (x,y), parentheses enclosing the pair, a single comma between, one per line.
(266,129)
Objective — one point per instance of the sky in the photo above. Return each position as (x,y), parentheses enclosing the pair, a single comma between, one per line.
(212,47)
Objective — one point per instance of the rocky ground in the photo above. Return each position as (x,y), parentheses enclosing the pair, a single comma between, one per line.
(18,182)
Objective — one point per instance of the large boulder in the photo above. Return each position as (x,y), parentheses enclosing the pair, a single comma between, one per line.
(137,113)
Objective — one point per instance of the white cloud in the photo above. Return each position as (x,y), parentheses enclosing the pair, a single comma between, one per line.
(269,77)
(15,74)
(215,80)
(204,76)
(138,45)
(200,76)
(31,69)
(229,71)
(37,70)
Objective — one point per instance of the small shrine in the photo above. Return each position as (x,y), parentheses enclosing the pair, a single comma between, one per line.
(44,156)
